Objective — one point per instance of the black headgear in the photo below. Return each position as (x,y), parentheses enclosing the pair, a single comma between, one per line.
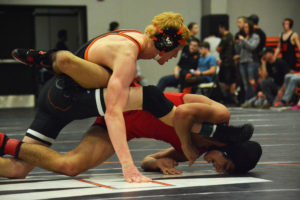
(243,155)
(167,39)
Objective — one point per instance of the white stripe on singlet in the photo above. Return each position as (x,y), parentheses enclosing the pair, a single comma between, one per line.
(98,102)
(40,136)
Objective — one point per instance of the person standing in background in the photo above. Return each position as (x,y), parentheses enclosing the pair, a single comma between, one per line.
(113,26)
(240,24)
(194,29)
(227,74)
(213,43)
(62,38)
(289,40)
(262,37)
(247,66)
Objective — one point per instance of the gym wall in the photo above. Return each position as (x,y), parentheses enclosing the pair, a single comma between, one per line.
(138,13)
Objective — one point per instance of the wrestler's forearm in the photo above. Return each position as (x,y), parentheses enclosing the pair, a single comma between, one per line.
(183,123)
(117,133)
(150,164)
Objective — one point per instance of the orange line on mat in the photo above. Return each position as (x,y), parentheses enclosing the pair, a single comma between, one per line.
(97,184)
(278,164)
(161,183)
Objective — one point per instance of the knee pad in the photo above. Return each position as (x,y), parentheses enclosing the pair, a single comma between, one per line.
(155,102)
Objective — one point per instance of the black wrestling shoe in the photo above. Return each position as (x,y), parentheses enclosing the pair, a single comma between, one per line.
(33,57)
(3,140)
(233,134)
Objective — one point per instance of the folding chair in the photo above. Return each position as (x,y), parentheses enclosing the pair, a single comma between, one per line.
(207,89)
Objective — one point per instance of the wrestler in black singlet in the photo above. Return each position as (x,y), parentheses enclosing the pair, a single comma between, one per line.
(62,100)
(288,51)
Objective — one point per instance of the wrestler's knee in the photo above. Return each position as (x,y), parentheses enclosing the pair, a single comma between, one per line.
(63,60)
(68,167)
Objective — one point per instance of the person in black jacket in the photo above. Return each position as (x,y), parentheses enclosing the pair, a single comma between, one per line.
(262,37)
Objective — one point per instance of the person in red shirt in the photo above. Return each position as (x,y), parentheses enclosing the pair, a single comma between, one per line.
(96,147)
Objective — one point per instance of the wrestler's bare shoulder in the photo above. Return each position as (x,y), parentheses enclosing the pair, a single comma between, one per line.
(103,51)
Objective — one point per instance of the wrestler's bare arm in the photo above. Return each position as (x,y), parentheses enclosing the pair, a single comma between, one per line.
(221,113)
(296,40)
(117,97)
(278,48)
(164,160)
(196,110)
(167,159)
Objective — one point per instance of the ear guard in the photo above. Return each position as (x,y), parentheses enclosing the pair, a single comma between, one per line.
(167,39)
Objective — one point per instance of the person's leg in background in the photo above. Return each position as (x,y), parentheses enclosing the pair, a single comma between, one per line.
(269,88)
(182,76)
(193,82)
(252,78)
(290,88)
(227,80)
(167,81)
(244,78)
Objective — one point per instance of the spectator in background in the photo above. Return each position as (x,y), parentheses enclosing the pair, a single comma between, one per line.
(188,61)
(240,24)
(194,29)
(62,38)
(288,41)
(247,66)
(213,43)
(205,70)
(113,26)
(262,36)
(227,74)
(272,74)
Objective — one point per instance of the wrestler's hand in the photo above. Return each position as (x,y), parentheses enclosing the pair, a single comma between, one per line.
(191,153)
(167,166)
(132,175)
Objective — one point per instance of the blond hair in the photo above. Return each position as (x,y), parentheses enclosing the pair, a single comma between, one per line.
(165,20)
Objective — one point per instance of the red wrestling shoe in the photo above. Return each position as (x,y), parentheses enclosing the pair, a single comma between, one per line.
(33,57)
(3,140)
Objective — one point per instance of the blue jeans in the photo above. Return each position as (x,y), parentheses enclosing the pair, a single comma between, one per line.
(167,81)
(248,71)
(269,88)
(291,81)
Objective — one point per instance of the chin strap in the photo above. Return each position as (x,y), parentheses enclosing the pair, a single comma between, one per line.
(157,57)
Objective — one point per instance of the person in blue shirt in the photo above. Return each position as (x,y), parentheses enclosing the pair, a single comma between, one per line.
(206,67)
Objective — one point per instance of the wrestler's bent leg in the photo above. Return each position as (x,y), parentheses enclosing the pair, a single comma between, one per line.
(94,149)
(85,73)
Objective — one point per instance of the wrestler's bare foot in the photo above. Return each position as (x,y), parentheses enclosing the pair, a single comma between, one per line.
(191,152)
(132,175)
